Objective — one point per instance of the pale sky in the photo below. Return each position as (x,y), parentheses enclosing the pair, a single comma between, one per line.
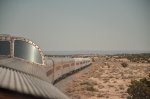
(70,25)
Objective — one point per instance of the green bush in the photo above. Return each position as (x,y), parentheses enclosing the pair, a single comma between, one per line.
(139,89)
(124,64)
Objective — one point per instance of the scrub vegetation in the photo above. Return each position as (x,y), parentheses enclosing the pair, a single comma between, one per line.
(114,77)
(139,89)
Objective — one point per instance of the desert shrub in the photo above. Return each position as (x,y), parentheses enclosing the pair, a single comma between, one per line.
(124,64)
(139,89)
(144,57)
(107,58)
(90,88)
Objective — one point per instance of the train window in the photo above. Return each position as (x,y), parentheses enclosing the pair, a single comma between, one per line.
(72,64)
(50,72)
(27,51)
(66,65)
(58,67)
(77,63)
(4,48)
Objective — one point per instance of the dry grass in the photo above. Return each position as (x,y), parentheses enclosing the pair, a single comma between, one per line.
(107,79)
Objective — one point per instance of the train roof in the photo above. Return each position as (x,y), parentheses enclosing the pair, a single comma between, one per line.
(27,84)
(58,60)
(24,76)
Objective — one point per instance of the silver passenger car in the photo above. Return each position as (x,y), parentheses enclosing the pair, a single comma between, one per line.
(64,66)
(23,68)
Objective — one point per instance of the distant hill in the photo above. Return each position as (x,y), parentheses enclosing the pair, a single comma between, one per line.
(92,52)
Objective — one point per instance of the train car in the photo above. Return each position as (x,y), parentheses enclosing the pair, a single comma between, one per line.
(67,66)
(56,68)
(24,68)
(87,61)
(94,59)
(61,66)
(77,63)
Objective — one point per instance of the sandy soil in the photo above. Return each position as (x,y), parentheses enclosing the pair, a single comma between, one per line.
(107,79)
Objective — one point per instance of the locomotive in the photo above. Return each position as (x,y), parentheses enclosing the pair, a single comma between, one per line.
(25,70)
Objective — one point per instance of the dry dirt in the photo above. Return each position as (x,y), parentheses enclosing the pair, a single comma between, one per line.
(107,79)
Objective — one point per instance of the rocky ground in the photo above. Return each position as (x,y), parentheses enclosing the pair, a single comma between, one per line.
(107,79)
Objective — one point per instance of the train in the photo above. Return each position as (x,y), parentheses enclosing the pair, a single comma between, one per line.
(26,70)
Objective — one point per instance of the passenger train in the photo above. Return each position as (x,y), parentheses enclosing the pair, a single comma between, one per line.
(25,70)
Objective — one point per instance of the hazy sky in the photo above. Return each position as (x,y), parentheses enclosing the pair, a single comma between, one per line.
(58,25)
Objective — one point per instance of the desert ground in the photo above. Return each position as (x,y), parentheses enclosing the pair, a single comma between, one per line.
(107,78)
